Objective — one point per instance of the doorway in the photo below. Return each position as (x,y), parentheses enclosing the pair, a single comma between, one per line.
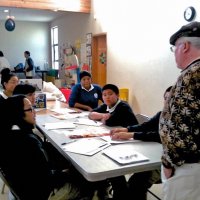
(99,59)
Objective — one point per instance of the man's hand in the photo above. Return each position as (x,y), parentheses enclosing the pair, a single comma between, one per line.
(121,135)
(168,172)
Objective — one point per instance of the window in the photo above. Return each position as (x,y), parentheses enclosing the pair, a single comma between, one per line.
(54,44)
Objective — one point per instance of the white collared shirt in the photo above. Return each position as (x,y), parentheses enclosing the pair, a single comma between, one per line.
(3,95)
(110,110)
(91,88)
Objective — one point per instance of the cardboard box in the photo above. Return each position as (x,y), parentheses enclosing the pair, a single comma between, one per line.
(40,100)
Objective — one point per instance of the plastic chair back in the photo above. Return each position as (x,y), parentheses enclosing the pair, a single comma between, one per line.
(66,92)
(124,94)
(141,118)
(3,177)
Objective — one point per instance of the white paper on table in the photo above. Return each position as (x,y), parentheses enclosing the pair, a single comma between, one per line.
(70,111)
(108,139)
(59,125)
(68,115)
(86,146)
(88,122)
(90,130)
(124,157)
(62,110)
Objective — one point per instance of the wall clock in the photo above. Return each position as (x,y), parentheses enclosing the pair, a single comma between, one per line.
(189,13)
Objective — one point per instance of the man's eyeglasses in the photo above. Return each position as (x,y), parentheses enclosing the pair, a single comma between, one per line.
(29,110)
(173,48)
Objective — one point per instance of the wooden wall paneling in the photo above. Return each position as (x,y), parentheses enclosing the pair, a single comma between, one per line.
(60,5)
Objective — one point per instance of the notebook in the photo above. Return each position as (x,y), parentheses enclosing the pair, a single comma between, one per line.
(124,157)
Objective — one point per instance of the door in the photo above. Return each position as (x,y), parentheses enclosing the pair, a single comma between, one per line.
(99,58)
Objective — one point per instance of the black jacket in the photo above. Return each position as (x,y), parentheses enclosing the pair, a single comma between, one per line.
(148,131)
(121,116)
(24,161)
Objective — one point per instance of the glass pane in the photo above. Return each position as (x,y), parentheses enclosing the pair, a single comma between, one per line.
(56,52)
(55,35)
(56,65)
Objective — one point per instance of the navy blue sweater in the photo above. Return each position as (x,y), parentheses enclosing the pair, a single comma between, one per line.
(121,116)
(89,98)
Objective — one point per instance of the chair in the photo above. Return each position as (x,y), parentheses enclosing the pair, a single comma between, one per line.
(141,118)
(3,188)
(124,94)
(3,177)
(66,92)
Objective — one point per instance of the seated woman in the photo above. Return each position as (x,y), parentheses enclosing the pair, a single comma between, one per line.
(8,82)
(113,112)
(23,157)
(85,95)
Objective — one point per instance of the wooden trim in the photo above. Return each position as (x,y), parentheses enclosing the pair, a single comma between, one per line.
(60,5)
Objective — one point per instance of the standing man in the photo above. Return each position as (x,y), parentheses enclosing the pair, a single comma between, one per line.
(29,65)
(180,120)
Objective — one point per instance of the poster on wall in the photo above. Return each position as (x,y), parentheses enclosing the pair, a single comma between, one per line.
(89,44)
(88,38)
(88,51)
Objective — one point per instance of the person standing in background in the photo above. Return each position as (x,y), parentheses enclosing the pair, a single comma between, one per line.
(3,61)
(29,65)
(180,120)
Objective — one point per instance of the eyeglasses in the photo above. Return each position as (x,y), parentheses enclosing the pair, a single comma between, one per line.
(173,48)
(29,110)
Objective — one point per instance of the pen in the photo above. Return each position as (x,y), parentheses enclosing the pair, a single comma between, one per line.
(68,142)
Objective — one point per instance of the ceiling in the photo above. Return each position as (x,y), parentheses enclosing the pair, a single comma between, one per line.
(23,14)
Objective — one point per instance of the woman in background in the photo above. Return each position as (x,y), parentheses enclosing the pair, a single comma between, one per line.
(8,82)
(29,65)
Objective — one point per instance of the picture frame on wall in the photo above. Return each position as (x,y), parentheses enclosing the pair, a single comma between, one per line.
(88,50)
(88,38)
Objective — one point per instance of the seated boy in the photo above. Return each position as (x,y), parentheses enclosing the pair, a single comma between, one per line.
(113,112)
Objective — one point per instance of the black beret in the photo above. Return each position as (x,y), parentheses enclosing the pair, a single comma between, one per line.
(189,30)
(84,73)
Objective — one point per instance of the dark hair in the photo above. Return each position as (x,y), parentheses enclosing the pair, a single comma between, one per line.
(84,73)
(13,111)
(112,87)
(6,75)
(28,53)
(1,54)
(24,89)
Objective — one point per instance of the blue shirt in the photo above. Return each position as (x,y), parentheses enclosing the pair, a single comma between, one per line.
(82,96)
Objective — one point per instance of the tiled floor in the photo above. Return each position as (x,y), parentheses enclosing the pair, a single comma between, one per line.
(156,189)
(5,195)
